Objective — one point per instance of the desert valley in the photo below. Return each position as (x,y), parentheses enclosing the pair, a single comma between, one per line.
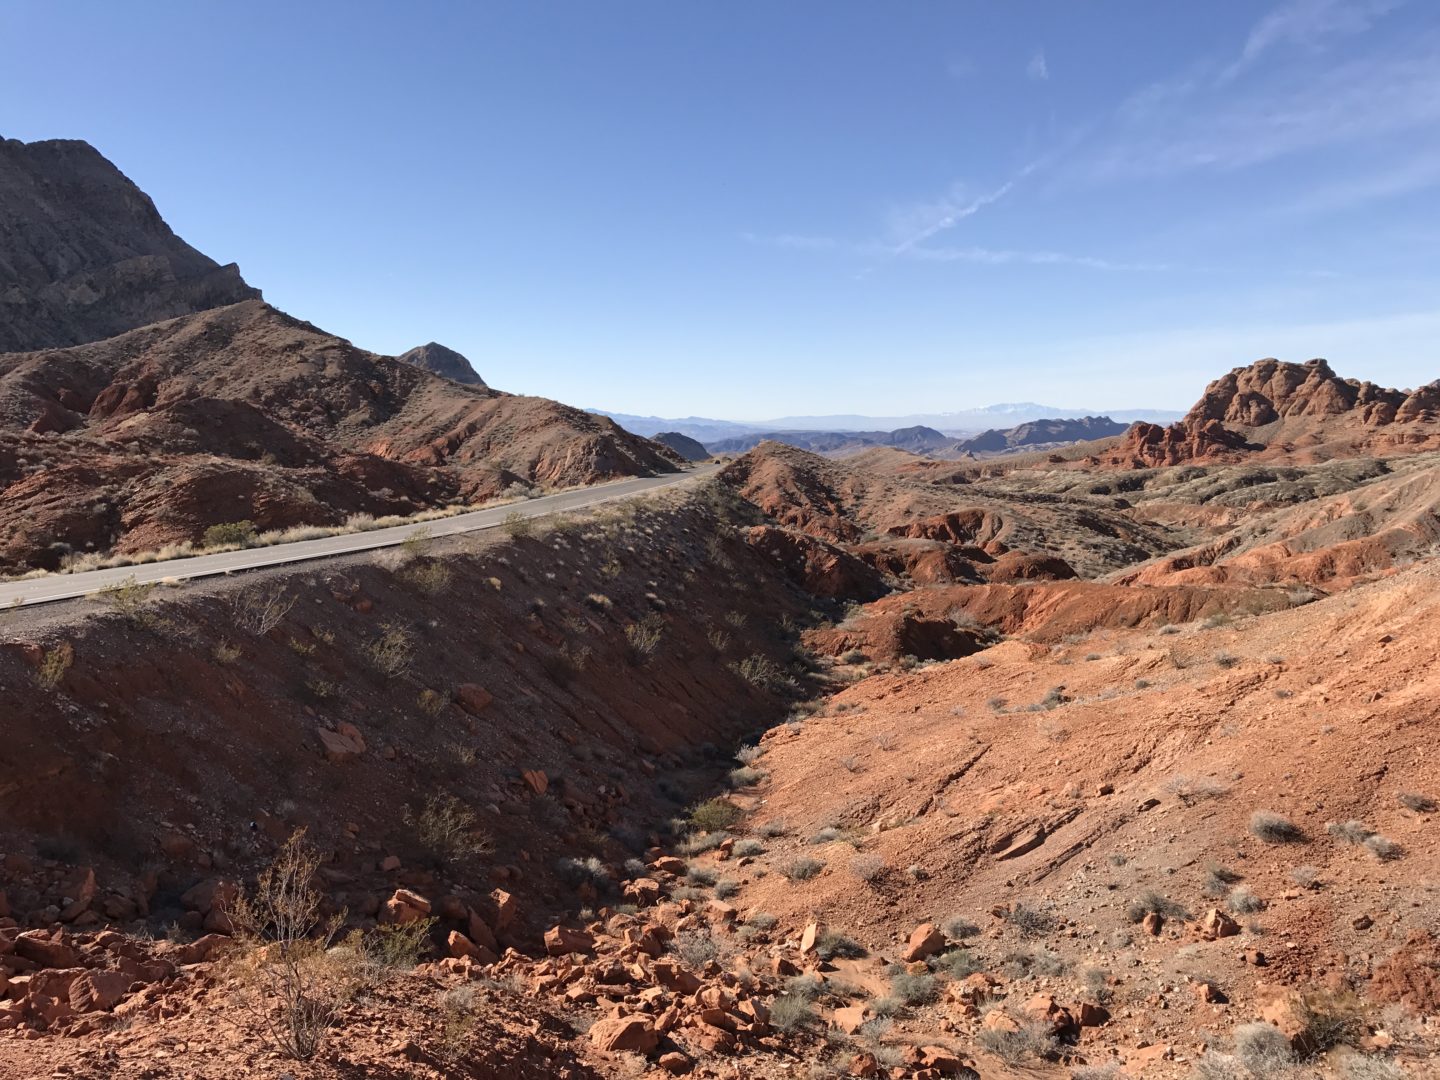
(1085,750)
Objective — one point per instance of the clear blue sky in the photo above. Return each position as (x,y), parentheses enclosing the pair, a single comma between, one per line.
(750,209)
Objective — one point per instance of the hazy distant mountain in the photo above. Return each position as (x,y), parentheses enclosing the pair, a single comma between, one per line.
(917,440)
(1037,433)
(962,422)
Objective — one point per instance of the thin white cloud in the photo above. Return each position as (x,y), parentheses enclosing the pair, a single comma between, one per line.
(972,254)
(1004,257)
(915,224)
(1308,24)
(1037,68)
(1198,124)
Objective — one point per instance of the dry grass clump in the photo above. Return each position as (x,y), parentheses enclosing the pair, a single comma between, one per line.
(1420,803)
(54,665)
(1275,828)
(868,868)
(801,869)
(714,815)
(393,651)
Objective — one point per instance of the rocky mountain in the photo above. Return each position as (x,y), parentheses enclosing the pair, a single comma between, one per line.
(1274,409)
(683,445)
(85,255)
(1040,433)
(439,360)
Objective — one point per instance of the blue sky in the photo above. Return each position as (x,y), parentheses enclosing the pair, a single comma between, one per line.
(753,209)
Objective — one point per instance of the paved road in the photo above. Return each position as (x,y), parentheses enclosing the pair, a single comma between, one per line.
(44,590)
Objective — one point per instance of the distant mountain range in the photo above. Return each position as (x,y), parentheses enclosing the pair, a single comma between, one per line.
(926,441)
(959,423)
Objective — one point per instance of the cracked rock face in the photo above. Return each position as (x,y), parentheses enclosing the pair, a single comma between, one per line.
(84,254)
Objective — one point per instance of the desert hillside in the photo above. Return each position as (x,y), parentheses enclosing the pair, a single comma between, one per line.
(821,768)
(143,400)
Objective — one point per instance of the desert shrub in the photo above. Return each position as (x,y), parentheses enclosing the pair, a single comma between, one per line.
(1218,879)
(748,755)
(1330,1019)
(1414,800)
(957,963)
(518,525)
(832,945)
(1031,1041)
(394,946)
(886,1006)
(588,871)
(761,920)
(260,608)
(1350,832)
(1243,901)
(913,989)
(1307,877)
(1108,1071)
(701,875)
(828,835)
(392,652)
(763,673)
(1383,847)
(789,1012)
(771,829)
(695,948)
(1031,922)
(868,867)
(448,830)
(290,981)
(54,665)
(229,534)
(1262,1048)
(1275,828)
(127,599)
(957,928)
(714,815)
(1035,960)
(726,888)
(744,849)
(1154,903)
(1356,1067)
(459,1016)
(1226,660)
(430,702)
(801,869)
(643,638)
(746,777)
(807,987)
(1097,984)
(225,652)
(701,842)
(431,576)
(1193,789)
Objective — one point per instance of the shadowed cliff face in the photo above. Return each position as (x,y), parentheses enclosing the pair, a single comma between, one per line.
(84,254)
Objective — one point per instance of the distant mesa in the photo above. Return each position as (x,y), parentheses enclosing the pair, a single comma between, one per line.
(683,445)
(436,358)
(84,254)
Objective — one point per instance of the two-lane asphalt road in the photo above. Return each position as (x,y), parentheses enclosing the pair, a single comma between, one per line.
(43,590)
